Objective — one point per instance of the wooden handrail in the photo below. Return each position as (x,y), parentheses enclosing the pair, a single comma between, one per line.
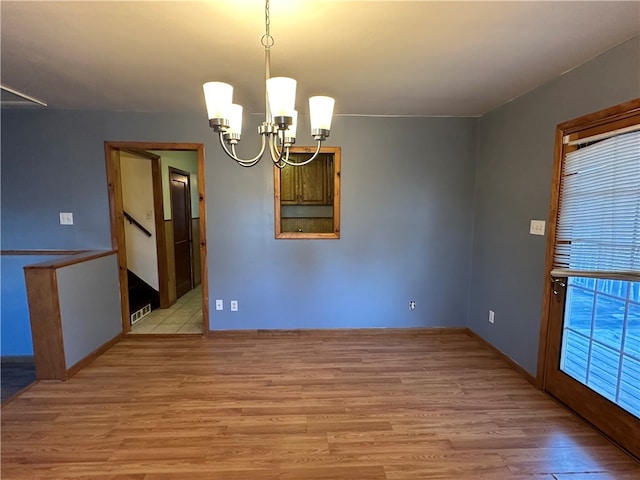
(136,223)
(70,259)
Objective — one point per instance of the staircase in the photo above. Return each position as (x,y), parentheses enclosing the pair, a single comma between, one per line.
(143,298)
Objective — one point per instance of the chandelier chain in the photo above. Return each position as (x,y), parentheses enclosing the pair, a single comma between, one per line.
(267,40)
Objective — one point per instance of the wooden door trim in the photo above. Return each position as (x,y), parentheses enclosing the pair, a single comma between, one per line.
(551,240)
(202,219)
(116,220)
(118,242)
(161,243)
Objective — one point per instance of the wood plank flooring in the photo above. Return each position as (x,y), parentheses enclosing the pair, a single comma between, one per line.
(291,406)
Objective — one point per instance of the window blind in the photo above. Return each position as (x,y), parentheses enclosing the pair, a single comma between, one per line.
(598,226)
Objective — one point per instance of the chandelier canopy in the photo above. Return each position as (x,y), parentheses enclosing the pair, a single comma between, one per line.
(278,131)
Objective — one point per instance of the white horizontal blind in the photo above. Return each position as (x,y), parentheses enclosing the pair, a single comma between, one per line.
(598,230)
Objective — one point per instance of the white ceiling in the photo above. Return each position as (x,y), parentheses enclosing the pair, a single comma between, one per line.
(375,57)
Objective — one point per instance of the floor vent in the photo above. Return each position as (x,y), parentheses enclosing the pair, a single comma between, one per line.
(140,314)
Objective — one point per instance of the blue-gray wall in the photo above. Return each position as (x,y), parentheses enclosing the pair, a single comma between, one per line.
(410,190)
(513,185)
(407,206)
(15,327)
(406,219)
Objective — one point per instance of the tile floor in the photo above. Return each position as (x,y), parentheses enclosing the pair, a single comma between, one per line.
(184,316)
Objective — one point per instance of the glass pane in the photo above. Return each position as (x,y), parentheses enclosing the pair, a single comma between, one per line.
(630,386)
(579,308)
(616,288)
(589,283)
(574,360)
(609,320)
(634,292)
(632,337)
(603,370)
(598,314)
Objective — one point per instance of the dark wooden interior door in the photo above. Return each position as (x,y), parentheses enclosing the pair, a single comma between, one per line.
(181,219)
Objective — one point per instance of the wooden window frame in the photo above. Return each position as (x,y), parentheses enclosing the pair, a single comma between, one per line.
(335,234)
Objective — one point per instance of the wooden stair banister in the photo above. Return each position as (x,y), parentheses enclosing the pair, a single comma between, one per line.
(133,221)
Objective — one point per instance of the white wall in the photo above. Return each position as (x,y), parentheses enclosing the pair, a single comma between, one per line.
(137,199)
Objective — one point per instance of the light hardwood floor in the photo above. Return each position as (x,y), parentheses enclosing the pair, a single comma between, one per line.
(295,405)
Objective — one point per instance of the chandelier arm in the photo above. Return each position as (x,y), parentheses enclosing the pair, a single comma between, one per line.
(309,160)
(281,153)
(280,163)
(278,155)
(283,162)
(273,149)
(232,153)
(246,163)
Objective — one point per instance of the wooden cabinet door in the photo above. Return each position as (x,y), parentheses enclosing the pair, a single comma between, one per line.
(288,194)
(309,184)
(312,183)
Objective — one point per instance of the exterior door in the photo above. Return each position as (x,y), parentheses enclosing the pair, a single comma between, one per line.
(181,219)
(592,358)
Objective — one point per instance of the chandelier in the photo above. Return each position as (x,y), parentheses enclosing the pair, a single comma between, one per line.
(278,131)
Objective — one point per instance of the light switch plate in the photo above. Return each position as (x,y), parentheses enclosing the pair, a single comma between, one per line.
(66,218)
(537,227)
(219,305)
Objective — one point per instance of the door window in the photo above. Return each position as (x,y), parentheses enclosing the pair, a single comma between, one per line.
(601,338)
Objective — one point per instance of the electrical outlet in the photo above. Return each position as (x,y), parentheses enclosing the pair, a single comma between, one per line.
(537,227)
(491,316)
(66,218)
(219,305)
(234,305)
(412,305)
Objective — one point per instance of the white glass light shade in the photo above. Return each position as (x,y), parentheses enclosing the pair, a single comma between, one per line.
(217,96)
(282,96)
(321,112)
(235,119)
(293,128)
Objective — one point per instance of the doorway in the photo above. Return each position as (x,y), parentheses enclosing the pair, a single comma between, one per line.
(181,287)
